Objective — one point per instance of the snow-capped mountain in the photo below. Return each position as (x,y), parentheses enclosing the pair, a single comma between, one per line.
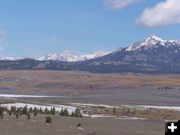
(65,56)
(8,58)
(72,57)
(152,41)
(152,55)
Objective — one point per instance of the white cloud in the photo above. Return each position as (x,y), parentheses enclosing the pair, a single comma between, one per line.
(119,4)
(162,14)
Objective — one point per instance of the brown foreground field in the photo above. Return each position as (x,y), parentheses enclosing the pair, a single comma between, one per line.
(68,126)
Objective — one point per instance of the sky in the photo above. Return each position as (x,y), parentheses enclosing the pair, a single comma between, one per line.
(32,28)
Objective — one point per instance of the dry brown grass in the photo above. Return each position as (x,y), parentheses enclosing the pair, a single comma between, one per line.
(56,81)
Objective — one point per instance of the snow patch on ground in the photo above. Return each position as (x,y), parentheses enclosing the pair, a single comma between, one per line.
(93,105)
(98,116)
(43,107)
(26,96)
(129,118)
(175,108)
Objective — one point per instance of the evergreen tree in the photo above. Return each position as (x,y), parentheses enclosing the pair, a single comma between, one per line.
(46,111)
(2,116)
(30,110)
(40,111)
(53,111)
(1,110)
(25,110)
(65,112)
(13,110)
(61,113)
(114,110)
(77,113)
(35,111)
(2,113)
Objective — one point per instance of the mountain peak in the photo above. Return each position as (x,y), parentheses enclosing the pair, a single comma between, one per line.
(153,39)
(149,42)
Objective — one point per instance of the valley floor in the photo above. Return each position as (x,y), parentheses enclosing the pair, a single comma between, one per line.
(68,126)
(68,88)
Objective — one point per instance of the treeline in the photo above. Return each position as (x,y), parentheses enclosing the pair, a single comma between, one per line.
(76,113)
(36,111)
(165,88)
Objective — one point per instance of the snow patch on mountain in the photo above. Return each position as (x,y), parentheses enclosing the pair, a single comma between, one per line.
(8,58)
(72,57)
(65,56)
(152,41)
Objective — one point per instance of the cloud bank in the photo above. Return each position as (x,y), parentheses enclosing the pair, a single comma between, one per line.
(120,4)
(162,14)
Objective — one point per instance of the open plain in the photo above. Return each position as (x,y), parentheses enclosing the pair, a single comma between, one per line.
(99,94)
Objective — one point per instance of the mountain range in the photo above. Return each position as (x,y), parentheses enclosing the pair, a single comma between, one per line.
(152,55)
(72,57)
(66,56)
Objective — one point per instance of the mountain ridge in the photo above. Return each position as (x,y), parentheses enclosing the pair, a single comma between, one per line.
(152,55)
(72,57)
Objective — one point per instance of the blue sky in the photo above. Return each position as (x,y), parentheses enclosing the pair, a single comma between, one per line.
(33,28)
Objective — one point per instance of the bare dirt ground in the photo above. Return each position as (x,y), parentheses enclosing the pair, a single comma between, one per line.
(68,126)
